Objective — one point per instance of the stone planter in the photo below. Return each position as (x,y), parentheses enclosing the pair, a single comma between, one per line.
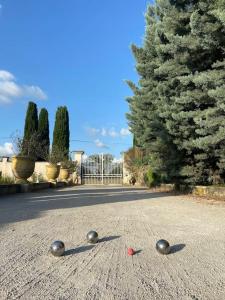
(22,167)
(52,171)
(64,174)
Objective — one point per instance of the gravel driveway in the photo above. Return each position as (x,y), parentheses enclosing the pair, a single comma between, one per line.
(123,217)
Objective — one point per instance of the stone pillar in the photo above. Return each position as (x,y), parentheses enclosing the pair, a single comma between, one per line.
(126,173)
(78,158)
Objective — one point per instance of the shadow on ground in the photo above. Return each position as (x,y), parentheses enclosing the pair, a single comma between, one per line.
(176,248)
(78,250)
(20,207)
(108,238)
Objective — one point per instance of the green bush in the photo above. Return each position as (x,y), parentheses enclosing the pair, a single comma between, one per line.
(6,180)
(151,178)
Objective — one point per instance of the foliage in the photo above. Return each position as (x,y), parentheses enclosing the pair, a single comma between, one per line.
(151,178)
(61,132)
(43,130)
(69,164)
(6,180)
(32,147)
(136,162)
(31,125)
(177,111)
(35,142)
(97,158)
(55,155)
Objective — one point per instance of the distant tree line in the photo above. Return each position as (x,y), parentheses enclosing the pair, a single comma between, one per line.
(177,111)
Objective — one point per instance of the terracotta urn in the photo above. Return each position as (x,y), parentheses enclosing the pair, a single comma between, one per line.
(22,167)
(52,171)
(64,174)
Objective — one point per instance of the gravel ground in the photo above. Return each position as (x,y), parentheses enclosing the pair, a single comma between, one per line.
(123,217)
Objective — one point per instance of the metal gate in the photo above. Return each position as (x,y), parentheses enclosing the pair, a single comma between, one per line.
(101,169)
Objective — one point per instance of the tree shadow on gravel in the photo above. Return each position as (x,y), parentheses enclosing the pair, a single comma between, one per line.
(108,238)
(78,250)
(176,248)
(20,207)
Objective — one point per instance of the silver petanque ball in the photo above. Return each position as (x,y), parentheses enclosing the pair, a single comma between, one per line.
(92,237)
(57,248)
(163,247)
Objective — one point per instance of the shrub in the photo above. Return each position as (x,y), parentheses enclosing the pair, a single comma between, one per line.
(6,180)
(151,178)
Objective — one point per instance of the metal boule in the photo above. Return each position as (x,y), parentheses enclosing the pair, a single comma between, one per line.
(57,248)
(163,247)
(92,237)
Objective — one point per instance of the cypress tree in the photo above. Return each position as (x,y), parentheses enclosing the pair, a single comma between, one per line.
(31,121)
(43,131)
(30,128)
(61,132)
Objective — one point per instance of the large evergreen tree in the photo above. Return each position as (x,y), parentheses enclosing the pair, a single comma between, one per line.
(61,134)
(195,117)
(177,111)
(43,131)
(31,121)
(30,128)
(144,118)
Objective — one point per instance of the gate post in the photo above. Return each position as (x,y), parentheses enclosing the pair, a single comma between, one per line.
(126,173)
(102,168)
(78,157)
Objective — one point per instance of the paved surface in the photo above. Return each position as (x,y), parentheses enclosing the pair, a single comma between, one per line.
(124,217)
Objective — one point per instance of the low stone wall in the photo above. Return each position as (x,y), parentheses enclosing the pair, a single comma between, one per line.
(31,187)
(211,191)
(39,171)
(6,189)
(38,176)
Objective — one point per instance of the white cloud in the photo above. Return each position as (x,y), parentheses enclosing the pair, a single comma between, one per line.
(124,131)
(100,144)
(10,90)
(6,149)
(104,132)
(5,75)
(32,91)
(92,131)
(112,133)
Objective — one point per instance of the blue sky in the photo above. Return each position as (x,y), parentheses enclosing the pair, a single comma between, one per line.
(74,53)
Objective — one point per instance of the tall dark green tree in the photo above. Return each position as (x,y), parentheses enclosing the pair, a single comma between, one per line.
(31,121)
(176,49)
(177,111)
(30,128)
(43,131)
(144,118)
(195,115)
(61,134)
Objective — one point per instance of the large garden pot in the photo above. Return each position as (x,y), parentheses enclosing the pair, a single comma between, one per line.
(64,174)
(52,171)
(23,168)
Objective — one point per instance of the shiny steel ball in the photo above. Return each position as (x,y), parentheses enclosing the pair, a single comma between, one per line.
(163,247)
(57,248)
(92,237)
